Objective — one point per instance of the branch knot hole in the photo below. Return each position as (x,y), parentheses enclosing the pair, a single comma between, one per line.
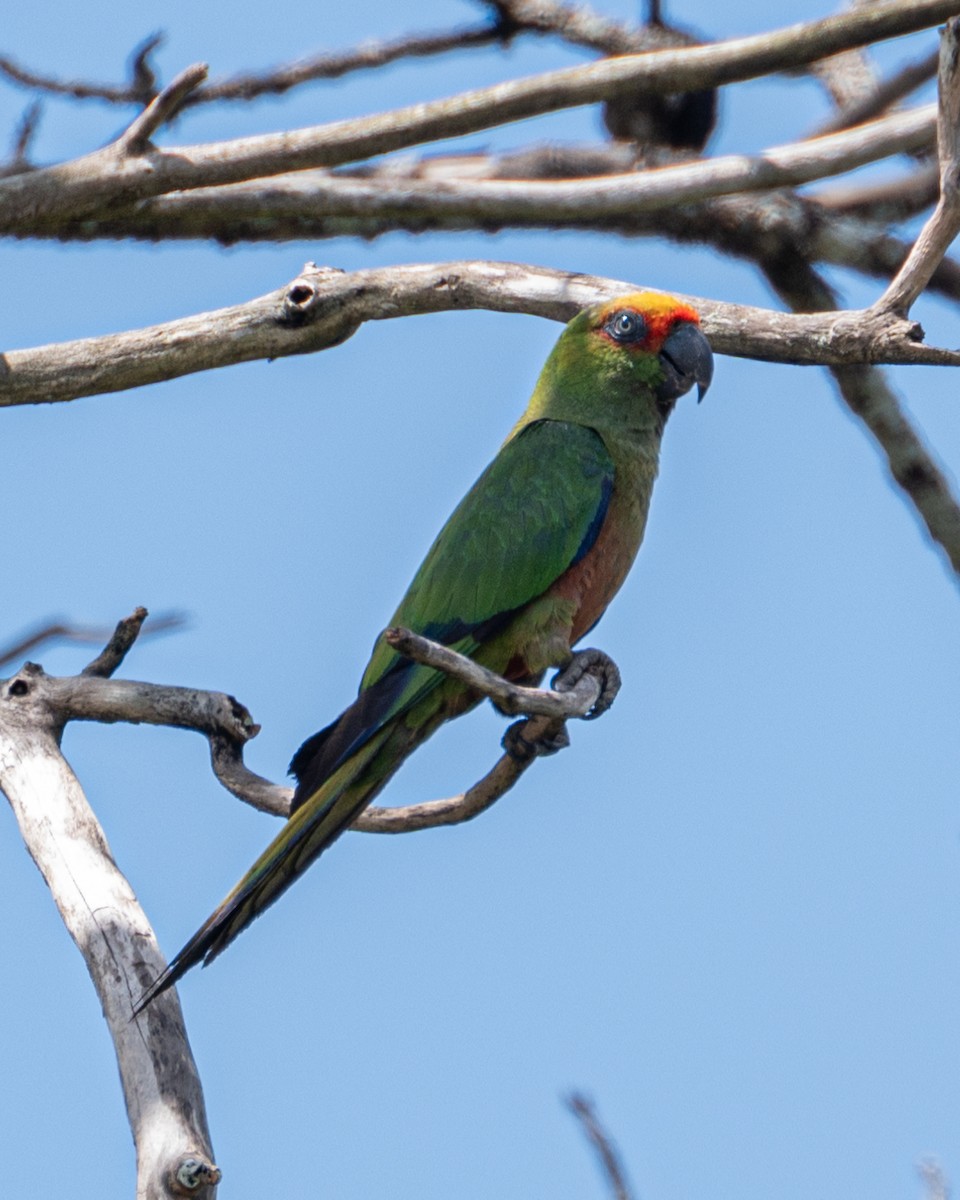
(20,685)
(298,302)
(192,1174)
(300,294)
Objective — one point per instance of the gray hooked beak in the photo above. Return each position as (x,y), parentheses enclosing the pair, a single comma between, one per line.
(686,359)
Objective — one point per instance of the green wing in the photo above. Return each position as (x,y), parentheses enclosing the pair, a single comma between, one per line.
(534,512)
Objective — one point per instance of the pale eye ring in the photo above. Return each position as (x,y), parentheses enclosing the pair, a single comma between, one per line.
(626,326)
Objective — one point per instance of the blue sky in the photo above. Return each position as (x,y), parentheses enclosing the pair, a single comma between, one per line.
(729,912)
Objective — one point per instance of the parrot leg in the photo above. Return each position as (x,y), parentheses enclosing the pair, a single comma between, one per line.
(523,749)
(584,662)
(602,667)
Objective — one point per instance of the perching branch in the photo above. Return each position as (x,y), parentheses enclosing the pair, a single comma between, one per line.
(576,699)
(583,691)
(323,307)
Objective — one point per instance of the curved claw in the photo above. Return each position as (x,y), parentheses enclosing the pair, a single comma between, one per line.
(524,749)
(602,667)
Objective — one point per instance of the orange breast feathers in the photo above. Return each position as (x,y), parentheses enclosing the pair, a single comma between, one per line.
(592,583)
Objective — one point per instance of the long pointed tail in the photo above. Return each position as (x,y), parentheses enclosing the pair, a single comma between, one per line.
(309,831)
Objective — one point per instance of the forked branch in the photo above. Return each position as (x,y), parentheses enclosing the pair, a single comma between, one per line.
(160,1082)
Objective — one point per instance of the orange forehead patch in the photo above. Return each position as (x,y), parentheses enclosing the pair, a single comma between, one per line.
(659,311)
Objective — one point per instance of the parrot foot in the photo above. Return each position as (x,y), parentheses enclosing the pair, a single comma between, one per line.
(524,749)
(604,670)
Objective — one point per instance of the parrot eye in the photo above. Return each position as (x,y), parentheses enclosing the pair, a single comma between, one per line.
(626,326)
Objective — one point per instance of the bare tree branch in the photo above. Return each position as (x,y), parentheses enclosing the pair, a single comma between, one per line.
(583,690)
(115,651)
(867,393)
(838,230)
(944,225)
(160,1082)
(886,93)
(24,135)
(432,814)
(371,54)
(135,139)
(85,184)
(936,1185)
(59,631)
(510,698)
(323,306)
(610,1164)
(140,90)
(582,26)
(891,201)
(251,85)
(324,204)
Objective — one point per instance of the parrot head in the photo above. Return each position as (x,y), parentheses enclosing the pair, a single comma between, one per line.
(625,361)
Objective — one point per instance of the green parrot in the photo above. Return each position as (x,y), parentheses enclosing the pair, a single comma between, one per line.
(522,570)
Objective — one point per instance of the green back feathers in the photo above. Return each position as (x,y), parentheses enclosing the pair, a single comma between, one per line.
(529,516)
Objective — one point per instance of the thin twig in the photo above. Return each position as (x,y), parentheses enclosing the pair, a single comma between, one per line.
(867,393)
(369,55)
(580,25)
(432,814)
(115,651)
(936,1186)
(252,84)
(75,89)
(610,1164)
(944,224)
(893,200)
(25,133)
(510,698)
(143,78)
(140,90)
(887,92)
(135,139)
(59,631)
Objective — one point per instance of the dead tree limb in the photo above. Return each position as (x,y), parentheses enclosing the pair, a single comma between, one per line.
(161,1086)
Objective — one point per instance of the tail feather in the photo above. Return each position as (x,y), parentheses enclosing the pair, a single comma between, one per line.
(322,754)
(340,770)
(308,832)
